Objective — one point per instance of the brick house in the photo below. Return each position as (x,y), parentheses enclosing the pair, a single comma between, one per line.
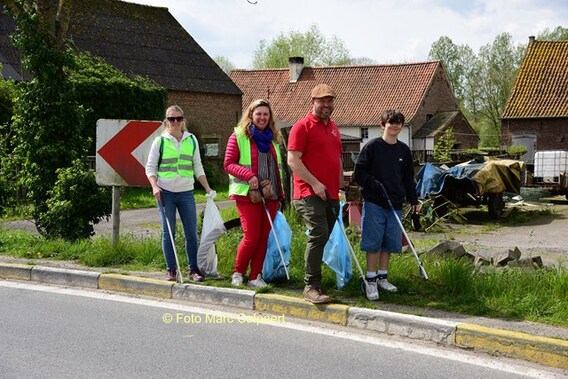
(148,41)
(421,91)
(536,114)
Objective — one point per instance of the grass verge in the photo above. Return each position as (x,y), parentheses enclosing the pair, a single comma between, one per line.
(455,285)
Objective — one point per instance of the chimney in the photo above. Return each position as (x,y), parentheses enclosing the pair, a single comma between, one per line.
(296,66)
(531,39)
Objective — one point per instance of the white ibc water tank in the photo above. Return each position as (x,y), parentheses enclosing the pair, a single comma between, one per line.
(548,165)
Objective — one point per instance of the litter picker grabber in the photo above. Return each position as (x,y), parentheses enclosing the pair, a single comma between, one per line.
(420,266)
(371,295)
(178,271)
(275,235)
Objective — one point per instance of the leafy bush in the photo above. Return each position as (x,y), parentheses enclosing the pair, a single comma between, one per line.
(7,94)
(444,146)
(216,176)
(48,121)
(125,97)
(76,202)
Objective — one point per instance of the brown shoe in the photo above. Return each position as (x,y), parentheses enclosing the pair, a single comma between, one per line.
(315,295)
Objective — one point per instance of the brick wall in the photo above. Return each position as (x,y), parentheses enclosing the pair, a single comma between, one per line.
(438,98)
(210,117)
(464,135)
(552,133)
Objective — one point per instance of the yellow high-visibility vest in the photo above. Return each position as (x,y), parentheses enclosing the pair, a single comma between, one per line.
(241,187)
(173,163)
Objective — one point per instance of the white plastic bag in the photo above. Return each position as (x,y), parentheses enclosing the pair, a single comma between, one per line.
(213,228)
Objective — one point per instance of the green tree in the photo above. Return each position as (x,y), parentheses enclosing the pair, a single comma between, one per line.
(225,64)
(497,67)
(444,146)
(557,34)
(460,64)
(7,94)
(51,127)
(481,83)
(446,51)
(7,97)
(51,18)
(362,61)
(48,120)
(316,49)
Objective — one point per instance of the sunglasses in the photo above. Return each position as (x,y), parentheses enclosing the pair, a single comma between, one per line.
(172,119)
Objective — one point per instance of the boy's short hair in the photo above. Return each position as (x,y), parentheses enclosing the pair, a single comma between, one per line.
(393,116)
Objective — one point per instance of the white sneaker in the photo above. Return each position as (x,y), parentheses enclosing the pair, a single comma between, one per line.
(386,285)
(237,279)
(257,283)
(370,290)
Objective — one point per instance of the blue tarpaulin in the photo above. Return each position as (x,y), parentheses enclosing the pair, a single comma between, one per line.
(473,177)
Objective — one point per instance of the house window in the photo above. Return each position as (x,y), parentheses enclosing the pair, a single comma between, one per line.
(210,147)
(365,133)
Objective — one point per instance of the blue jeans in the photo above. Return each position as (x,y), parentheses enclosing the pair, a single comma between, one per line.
(380,230)
(184,202)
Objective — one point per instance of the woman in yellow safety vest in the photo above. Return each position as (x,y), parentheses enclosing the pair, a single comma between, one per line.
(254,164)
(173,163)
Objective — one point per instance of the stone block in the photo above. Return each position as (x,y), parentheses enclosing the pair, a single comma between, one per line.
(510,255)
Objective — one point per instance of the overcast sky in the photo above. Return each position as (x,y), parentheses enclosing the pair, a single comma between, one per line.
(387,31)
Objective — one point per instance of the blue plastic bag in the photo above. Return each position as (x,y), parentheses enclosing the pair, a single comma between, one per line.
(273,269)
(336,254)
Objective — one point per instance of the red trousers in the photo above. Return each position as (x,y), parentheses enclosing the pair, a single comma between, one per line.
(256,229)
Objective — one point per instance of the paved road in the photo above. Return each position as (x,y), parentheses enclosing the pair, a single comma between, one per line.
(56,332)
(549,230)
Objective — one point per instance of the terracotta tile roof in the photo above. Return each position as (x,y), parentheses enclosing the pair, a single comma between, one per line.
(363,92)
(541,87)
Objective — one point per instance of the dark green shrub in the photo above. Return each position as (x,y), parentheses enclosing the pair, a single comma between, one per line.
(7,94)
(75,204)
(216,176)
(109,93)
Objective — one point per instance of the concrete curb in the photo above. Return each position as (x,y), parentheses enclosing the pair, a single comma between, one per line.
(135,285)
(65,277)
(15,271)
(415,327)
(546,351)
(284,305)
(214,295)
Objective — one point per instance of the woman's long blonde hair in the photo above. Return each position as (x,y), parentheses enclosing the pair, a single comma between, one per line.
(175,108)
(246,119)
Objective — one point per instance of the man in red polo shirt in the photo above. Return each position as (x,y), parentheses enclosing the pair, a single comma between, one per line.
(314,155)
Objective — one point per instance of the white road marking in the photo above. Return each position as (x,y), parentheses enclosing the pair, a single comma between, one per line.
(517,367)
